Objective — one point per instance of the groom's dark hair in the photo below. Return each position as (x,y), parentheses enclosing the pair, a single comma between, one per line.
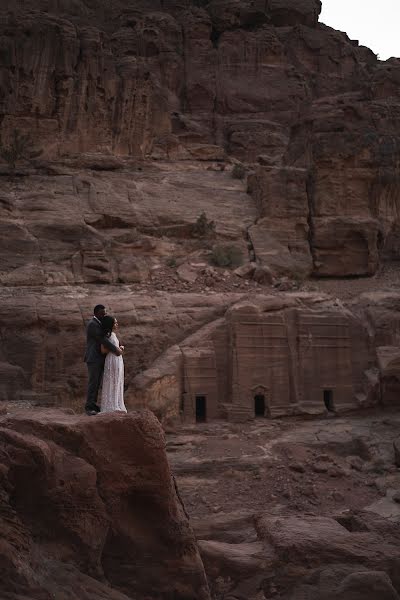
(97,308)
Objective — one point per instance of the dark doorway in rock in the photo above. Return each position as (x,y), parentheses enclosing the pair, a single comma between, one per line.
(259,405)
(328,400)
(201,409)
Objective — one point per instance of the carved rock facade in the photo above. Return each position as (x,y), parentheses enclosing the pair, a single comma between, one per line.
(273,356)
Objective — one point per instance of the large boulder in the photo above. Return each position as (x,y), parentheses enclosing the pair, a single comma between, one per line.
(373,585)
(89,505)
(299,557)
(334,559)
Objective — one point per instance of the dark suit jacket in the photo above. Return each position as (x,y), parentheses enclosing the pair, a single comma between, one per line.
(94,339)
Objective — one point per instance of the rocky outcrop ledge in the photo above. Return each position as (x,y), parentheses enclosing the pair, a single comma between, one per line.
(89,510)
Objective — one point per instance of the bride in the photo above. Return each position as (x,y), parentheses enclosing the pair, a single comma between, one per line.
(112,395)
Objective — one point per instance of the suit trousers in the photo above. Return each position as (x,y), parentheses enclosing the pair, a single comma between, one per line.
(95,371)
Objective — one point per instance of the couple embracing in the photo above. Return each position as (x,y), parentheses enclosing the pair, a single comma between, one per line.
(104,362)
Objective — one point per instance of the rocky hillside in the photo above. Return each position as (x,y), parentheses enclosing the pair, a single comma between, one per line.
(182,139)
(292,509)
(183,81)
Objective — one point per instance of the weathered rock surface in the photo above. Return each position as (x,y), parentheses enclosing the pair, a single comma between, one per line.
(88,509)
(185,81)
(268,529)
(111,75)
(280,236)
(374,585)
(82,226)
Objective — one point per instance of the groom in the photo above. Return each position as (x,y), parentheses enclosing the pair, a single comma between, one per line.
(94,358)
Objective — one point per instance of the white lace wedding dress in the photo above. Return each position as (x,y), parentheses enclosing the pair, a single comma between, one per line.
(112,395)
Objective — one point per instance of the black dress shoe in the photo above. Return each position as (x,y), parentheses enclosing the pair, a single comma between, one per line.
(91,413)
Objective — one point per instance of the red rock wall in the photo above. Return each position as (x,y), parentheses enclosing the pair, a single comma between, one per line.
(261,81)
(120,77)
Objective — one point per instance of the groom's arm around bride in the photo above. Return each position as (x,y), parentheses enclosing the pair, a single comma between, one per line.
(96,334)
(94,358)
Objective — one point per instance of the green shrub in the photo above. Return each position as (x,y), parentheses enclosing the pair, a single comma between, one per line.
(171,262)
(203,227)
(20,147)
(226,256)
(239,171)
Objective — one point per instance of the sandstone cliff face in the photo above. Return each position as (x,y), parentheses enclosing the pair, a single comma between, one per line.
(122,76)
(86,514)
(184,80)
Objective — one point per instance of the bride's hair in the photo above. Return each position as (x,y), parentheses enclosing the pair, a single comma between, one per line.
(107,324)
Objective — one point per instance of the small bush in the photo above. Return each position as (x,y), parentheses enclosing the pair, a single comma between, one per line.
(171,262)
(239,171)
(203,227)
(20,147)
(226,256)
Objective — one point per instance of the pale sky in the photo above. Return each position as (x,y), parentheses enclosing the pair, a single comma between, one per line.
(374,23)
